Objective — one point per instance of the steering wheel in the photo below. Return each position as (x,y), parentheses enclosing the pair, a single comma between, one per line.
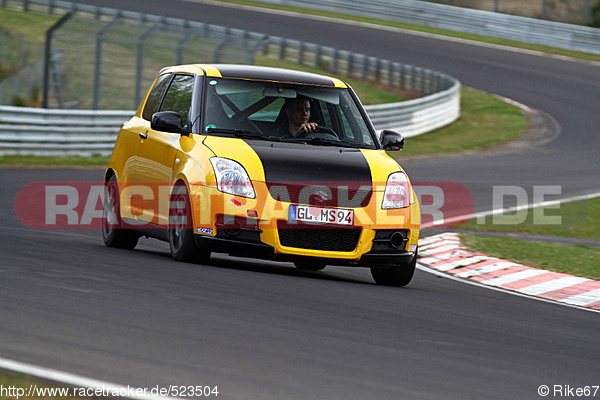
(304,133)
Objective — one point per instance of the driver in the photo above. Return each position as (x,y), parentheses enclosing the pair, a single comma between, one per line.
(298,115)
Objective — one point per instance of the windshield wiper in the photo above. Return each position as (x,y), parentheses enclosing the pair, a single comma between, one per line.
(242,133)
(322,142)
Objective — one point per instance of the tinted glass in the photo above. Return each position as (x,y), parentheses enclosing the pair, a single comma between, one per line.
(155,96)
(179,96)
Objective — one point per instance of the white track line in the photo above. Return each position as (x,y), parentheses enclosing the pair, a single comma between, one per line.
(502,211)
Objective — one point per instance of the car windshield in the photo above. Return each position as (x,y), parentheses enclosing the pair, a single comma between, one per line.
(273,111)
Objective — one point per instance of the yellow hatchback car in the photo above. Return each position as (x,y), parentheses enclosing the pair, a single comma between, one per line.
(266,163)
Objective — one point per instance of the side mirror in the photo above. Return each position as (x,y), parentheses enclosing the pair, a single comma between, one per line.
(167,121)
(392,140)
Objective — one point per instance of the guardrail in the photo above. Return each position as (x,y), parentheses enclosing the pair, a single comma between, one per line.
(486,23)
(45,132)
(418,116)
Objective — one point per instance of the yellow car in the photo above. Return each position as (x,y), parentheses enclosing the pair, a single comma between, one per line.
(266,163)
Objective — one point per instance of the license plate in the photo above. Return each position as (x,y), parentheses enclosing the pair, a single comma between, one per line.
(334,216)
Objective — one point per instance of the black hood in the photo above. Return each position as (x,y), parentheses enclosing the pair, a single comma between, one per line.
(315,175)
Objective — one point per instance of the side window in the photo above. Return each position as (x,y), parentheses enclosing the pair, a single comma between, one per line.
(347,128)
(155,96)
(179,96)
(355,132)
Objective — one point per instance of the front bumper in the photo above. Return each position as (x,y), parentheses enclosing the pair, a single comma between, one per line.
(223,223)
(387,247)
(257,249)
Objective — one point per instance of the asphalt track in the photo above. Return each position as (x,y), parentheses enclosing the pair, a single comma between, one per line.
(262,330)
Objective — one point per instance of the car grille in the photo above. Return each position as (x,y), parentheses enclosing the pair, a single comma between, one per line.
(322,194)
(304,236)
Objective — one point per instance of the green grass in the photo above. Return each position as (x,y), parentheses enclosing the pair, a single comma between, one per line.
(575,260)
(31,25)
(485,121)
(580,219)
(425,29)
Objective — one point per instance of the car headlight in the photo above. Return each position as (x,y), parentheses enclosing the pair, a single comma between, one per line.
(232,178)
(397,192)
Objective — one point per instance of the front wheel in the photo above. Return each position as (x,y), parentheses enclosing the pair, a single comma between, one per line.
(181,236)
(397,276)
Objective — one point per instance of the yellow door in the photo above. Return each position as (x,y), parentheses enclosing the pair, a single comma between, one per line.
(151,171)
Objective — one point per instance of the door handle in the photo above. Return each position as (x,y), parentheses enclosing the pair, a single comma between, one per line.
(143,135)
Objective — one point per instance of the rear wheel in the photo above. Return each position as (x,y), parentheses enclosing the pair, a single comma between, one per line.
(181,236)
(113,233)
(395,276)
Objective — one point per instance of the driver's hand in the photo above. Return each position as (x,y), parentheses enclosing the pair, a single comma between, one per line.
(309,126)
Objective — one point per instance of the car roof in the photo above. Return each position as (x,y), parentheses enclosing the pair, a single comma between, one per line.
(256,73)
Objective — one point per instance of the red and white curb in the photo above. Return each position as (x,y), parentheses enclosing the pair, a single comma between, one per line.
(445,253)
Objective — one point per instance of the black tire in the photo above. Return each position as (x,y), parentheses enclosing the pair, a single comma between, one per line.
(113,233)
(181,235)
(310,265)
(397,276)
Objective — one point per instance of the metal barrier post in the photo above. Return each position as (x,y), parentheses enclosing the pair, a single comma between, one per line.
(262,44)
(282,46)
(186,38)
(318,52)
(586,15)
(47,52)
(402,76)
(334,62)
(99,40)
(543,14)
(300,60)
(140,62)
(350,63)
(221,47)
